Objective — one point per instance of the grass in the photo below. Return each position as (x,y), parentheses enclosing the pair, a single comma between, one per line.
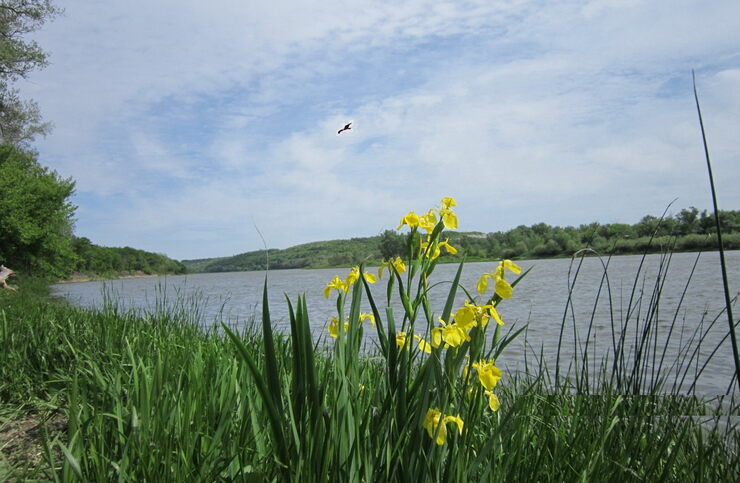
(121,395)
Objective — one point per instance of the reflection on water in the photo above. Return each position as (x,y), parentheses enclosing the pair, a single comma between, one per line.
(540,301)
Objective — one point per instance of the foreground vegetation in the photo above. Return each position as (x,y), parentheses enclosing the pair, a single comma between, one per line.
(155,397)
(688,230)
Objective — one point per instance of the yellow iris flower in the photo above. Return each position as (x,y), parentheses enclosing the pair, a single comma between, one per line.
(397,264)
(488,374)
(502,287)
(452,334)
(333,327)
(471,315)
(401,340)
(336,284)
(354,275)
(435,422)
(423,345)
(511,266)
(448,202)
(411,220)
(437,249)
(428,221)
(449,218)
(370,317)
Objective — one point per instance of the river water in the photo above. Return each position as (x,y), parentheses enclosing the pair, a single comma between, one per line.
(682,315)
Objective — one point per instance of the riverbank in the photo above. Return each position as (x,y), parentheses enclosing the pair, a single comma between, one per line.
(94,277)
(157,398)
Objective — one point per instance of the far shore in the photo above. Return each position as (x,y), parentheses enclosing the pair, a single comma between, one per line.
(82,277)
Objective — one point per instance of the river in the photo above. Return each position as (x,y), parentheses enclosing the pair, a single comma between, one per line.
(540,301)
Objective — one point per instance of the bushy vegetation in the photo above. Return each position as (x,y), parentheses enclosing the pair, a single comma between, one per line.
(20,119)
(94,259)
(35,215)
(688,230)
(153,397)
(310,255)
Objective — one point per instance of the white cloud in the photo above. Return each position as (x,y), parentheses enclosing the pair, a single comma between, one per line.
(192,119)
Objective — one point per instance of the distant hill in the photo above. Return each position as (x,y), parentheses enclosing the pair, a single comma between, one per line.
(309,255)
(688,230)
(98,261)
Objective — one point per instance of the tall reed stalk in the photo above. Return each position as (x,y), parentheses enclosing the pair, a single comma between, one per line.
(723,263)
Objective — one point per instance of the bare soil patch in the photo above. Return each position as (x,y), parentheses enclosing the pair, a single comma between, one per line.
(21,439)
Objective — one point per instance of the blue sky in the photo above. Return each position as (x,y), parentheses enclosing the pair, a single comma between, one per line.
(187,123)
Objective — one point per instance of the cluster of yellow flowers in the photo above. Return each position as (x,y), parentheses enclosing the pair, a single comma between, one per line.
(452,333)
(427,223)
(435,422)
(488,376)
(333,327)
(343,285)
(455,333)
(396,263)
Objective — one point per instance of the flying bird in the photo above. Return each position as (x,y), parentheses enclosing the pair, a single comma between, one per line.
(346,127)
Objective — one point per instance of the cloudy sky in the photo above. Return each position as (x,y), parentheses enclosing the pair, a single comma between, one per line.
(186,123)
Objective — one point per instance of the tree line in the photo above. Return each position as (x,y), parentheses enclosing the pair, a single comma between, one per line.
(688,230)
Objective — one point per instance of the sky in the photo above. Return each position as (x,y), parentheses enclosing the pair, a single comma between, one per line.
(189,126)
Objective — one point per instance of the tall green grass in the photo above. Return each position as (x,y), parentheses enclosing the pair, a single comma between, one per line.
(154,397)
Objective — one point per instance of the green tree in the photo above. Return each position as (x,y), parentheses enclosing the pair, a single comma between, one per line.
(35,215)
(20,120)
(687,221)
(392,245)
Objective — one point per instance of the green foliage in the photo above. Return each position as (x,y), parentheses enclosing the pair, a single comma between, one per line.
(20,120)
(313,255)
(94,259)
(35,215)
(392,245)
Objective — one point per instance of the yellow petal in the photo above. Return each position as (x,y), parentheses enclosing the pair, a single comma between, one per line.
(511,266)
(493,402)
(401,340)
(453,335)
(455,419)
(423,344)
(436,337)
(353,275)
(495,315)
(412,220)
(447,202)
(483,283)
(503,288)
(333,327)
(449,219)
(450,249)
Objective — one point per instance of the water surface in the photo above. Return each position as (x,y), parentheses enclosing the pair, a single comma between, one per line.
(540,301)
